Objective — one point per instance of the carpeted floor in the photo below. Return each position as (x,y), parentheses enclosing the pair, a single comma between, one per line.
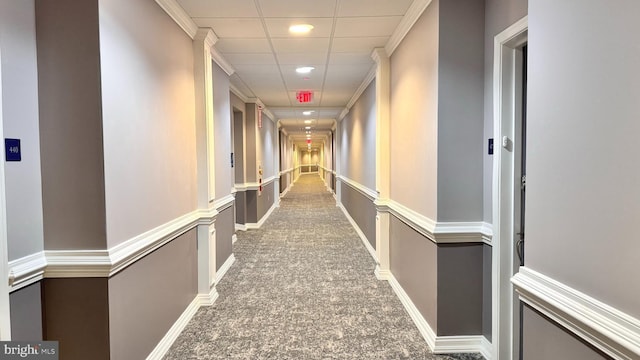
(303,287)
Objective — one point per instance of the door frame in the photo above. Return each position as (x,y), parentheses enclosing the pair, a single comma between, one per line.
(5,311)
(505,116)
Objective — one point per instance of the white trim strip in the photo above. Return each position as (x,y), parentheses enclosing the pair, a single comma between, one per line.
(365,242)
(222,62)
(238,93)
(223,203)
(369,193)
(440,232)
(439,344)
(176,329)
(224,268)
(421,323)
(254,185)
(463,344)
(177,13)
(363,86)
(26,270)
(408,20)
(614,332)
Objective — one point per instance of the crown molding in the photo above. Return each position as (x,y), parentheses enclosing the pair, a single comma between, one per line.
(177,13)
(207,36)
(238,93)
(363,86)
(222,62)
(408,20)
(343,114)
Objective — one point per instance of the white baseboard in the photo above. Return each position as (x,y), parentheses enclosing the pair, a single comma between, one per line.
(423,326)
(258,225)
(224,268)
(176,329)
(439,344)
(366,243)
(463,344)
(286,190)
(234,238)
(382,274)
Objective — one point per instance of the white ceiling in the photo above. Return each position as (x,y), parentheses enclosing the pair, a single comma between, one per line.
(254,38)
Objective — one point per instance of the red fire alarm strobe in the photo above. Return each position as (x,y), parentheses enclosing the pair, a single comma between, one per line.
(304,96)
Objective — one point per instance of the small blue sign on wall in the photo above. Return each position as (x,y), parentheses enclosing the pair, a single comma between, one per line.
(12,149)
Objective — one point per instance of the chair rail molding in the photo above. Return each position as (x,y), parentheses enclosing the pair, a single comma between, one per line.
(614,332)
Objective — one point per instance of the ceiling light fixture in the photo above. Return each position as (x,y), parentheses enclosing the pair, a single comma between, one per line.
(300,28)
(304,69)
(307,121)
(307,127)
(307,113)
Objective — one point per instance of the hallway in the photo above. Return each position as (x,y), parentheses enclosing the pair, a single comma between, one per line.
(302,287)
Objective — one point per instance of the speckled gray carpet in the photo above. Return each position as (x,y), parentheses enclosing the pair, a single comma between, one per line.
(302,287)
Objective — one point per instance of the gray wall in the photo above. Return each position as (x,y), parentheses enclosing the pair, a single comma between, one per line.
(362,210)
(148,107)
(70,124)
(460,289)
(544,339)
(241,207)
(250,146)
(76,313)
(265,200)
(460,105)
(20,118)
(225,228)
(582,206)
(499,14)
(147,298)
(414,264)
(358,135)
(26,313)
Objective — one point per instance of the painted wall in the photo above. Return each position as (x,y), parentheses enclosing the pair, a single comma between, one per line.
(148,109)
(225,228)
(147,298)
(414,116)
(460,289)
(76,314)
(545,340)
(362,210)
(359,140)
(268,147)
(414,263)
(26,313)
(264,201)
(20,118)
(222,132)
(460,107)
(499,14)
(582,203)
(69,93)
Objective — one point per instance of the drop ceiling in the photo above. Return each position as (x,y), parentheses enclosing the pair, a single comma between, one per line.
(254,38)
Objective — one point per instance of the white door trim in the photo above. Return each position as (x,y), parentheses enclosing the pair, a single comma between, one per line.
(504,115)
(5,313)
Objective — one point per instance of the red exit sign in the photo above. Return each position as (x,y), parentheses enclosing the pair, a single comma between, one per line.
(304,96)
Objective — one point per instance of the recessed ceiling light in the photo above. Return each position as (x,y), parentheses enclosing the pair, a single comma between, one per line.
(307,113)
(304,69)
(307,127)
(300,28)
(307,121)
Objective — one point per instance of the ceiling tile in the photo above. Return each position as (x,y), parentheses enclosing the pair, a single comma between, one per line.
(357,44)
(297,8)
(219,8)
(350,58)
(297,45)
(250,59)
(366,26)
(302,58)
(233,27)
(373,7)
(275,98)
(336,98)
(296,82)
(279,27)
(243,46)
